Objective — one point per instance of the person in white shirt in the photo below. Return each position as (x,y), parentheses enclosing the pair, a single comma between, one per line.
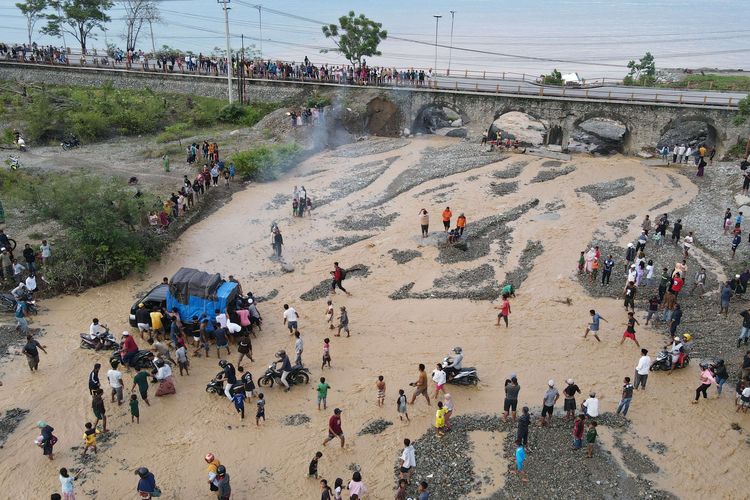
(221,318)
(688,152)
(408,460)
(290,318)
(680,153)
(591,406)
(439,377)
(298,348)
(642,369)
(115,382)
(46,252)
(95,328)
(31,283)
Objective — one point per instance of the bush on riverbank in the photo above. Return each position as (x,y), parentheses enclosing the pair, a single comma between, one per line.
(265,161)
(107,235)
(49,113)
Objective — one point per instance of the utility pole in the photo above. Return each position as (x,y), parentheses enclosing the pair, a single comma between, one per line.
(225,6)
(437,22)
(260,22)
(450,51)
(153,44)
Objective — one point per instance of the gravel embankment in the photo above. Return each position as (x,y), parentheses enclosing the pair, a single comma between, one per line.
(511,172)
(322,289)
(548,175)
(375,427)
(357,177)
(473,284)
(518,275)
(369,147)
(340,242)
(435,189)
(404,256)
(481,234)
(605,191)
(296,419)
(503,188)
(366,222)
(9,422)
(554,470)
(437,163)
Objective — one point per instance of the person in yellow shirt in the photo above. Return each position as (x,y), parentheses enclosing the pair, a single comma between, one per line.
(213,465)
(156,324)
(447,214)
(440,419)
(461,224)
(89,438)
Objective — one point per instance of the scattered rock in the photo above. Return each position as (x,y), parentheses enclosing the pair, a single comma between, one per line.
(370,147)
(322,289)
(296,419)
(518,275)
(404,256)
(287,268)
(340,242)
(473,284)
(375,427)
(9,422)
(511,172)
(356,178)
(661,204)
(548,175)
(436,188)
(367,222)
(605,191)
(657,447)
(503,188)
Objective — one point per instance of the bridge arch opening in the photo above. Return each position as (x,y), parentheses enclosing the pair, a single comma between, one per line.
(599,135)
(526,128)
(692,131)
(441,119)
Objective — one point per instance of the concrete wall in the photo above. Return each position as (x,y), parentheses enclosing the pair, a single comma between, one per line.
(646,122)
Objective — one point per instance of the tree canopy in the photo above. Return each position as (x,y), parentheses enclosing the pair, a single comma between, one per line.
(137,13)
(356,37)
(77,18)
(32,10)
(642,72)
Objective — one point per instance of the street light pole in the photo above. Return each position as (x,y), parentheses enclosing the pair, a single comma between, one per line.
(260,23)
(450,51)
(225,6)
(437,21)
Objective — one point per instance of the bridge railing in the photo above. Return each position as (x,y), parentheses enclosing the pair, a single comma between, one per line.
(505,85)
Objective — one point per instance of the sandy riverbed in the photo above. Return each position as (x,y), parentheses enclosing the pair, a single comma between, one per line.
(703,456)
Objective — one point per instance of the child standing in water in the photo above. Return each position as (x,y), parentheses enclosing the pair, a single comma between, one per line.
(380,384)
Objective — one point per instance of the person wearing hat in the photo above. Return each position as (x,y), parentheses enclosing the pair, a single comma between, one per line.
(147,488)
(548,403)
(591,406)
(222,483)
(569,392)
(48,440)
(143,320)
(334,428)
(129,348)
(213,464)
(629,255)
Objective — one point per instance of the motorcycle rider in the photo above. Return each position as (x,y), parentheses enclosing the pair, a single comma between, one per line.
(129,349)
(229,377)
(675,351)
(454,368)
(21,292)
(97,330)
(286,367)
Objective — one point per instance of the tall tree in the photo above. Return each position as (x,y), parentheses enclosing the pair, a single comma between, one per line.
(77,18)
(138,13)
(356,37)
(33,10)
(643,71)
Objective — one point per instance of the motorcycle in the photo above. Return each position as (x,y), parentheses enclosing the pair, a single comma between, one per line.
(98,342)
(8,303)
(217,387)
(71,143)
(14,162)
(465,376)
(663,362)
(21,145)
(142,359)
(299,375)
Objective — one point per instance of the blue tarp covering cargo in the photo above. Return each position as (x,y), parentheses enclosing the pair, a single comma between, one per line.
(194,293)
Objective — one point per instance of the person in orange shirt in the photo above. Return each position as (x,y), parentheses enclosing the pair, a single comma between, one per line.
(447,214)
(461,223)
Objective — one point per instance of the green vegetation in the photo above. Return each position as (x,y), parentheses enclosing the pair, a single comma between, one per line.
(743,111)
(642,72)
(77,18)
(45,114)
(713,82)
(264,162)
(554,78)
(355,37)
(318,101)
(105,228)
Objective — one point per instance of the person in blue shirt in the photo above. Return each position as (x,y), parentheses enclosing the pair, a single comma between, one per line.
(735,243)
(520,459)
(21,312)
(146,483)
(594,325)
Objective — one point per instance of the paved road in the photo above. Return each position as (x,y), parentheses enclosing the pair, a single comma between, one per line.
(518,86)
(699,97)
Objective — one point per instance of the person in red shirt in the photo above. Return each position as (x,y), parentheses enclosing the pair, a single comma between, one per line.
(338,276)
(677,283)
(334,428)
(447,214)
(504,311)
(129,348)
